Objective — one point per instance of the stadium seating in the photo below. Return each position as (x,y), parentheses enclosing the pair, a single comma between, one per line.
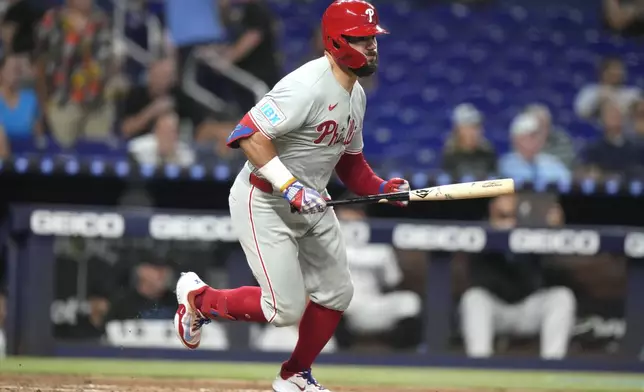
(499,56)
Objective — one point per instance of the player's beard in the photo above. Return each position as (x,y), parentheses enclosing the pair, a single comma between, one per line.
(368,69)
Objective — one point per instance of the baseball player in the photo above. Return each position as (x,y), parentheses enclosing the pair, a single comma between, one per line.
(307,126)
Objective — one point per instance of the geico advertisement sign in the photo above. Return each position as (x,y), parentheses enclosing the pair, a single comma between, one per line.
(445,238)
(546,241)
(187,227)
(81,224)
(634,245)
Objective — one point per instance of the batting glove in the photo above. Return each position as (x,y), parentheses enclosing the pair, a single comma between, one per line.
(304,200)
(397,185)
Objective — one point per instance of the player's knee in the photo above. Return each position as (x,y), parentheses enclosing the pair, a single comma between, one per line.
(345,296)
(339,299)
(288,314)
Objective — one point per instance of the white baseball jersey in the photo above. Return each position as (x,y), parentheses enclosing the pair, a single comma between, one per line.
(312,121)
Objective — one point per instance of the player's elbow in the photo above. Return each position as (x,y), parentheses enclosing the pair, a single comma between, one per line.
(255,141)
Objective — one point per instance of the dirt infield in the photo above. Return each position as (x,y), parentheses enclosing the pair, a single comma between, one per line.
(70,383)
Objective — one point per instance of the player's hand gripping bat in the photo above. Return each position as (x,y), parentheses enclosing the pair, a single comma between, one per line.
(466,190)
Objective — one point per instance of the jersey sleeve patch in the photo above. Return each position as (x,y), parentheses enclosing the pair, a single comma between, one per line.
(272,113)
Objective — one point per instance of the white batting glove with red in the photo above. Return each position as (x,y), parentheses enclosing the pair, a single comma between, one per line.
(397,185)
(304,200)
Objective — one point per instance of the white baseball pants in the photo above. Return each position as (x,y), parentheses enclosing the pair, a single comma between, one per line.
(549,313)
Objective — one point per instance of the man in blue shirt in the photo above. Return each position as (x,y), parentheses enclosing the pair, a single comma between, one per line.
(527,161)
(194,22)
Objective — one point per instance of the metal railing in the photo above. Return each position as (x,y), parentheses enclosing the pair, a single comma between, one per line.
(247,80)
(207,56)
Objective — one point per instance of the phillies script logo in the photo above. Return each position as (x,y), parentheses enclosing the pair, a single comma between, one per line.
(330,135)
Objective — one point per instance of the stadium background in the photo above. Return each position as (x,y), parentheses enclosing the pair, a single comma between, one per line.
(91,282)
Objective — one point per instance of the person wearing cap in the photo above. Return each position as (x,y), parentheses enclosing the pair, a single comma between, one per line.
(527,161)
(148,296)
(467,152)
(558,141)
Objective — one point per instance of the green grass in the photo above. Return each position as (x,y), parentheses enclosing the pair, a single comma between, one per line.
(338,375)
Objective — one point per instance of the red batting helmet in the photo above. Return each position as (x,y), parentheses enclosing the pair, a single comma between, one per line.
(351,18)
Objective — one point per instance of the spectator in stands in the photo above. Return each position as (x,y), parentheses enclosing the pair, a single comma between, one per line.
(255,48)
(527,161)
(467,152)
(558,141)
(205,27)
(625,17)
(18,28)
(3,300)
(211,143)
(162,146)
(379,306)
(143,105)
(5,148)
(613,154)
(512,294)
(637,122)
(611,86)
(20,115)
(150,297)
(75,64)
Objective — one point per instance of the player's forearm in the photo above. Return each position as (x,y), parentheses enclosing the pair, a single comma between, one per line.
(261,152)
(356,174)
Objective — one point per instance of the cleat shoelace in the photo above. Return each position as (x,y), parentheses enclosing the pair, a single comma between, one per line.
(200,321)
(310,379)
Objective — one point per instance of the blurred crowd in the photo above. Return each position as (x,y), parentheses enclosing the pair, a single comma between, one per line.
(542,151)
(70,81)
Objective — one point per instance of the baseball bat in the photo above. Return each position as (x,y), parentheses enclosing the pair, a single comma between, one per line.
(459,191)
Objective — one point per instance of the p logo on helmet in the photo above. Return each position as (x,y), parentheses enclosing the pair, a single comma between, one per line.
(349,18)
(370,13)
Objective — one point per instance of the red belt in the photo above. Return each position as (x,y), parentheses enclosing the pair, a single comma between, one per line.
(260,183)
